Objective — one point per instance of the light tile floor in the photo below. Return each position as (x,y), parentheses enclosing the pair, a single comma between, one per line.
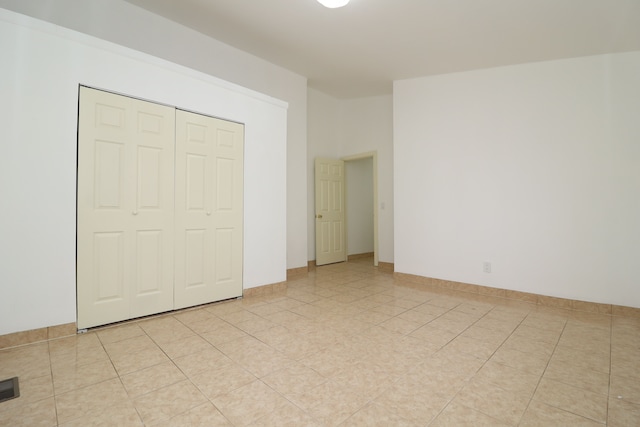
(347,345)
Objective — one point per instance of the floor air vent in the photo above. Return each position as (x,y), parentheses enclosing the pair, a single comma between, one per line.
(9,389)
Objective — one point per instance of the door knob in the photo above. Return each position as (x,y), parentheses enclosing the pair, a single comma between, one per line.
(318,216)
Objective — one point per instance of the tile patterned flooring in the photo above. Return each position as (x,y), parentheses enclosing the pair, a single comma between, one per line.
(346,345)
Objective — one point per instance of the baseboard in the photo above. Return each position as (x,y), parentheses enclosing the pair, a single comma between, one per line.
(382,266)
(264,289)
(532,298)
(359,256)
(69,329)
(36,335)
(295,273)
(386,266)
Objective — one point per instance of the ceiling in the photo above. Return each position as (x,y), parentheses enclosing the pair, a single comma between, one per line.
(358,50)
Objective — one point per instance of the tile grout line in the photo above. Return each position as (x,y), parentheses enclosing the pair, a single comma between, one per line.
(486,361)
(545,369)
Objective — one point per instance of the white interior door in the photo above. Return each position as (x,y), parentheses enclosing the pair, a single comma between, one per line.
(125,208)
(209,206)
(330,211)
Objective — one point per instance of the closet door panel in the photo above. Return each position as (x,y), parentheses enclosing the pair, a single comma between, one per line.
(154,204)
(206,189)
(229,206)
(125,208)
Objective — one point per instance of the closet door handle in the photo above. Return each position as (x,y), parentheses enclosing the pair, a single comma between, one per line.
(134,213)
(208,213)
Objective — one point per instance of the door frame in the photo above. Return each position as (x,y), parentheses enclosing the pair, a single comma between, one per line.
(374,156)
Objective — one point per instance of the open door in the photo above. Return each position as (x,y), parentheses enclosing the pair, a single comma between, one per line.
(330,211)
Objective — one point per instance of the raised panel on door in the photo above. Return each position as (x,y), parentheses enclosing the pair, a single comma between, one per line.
(153,212)
(209,183)
(125,194)
(108,293)
(195,258)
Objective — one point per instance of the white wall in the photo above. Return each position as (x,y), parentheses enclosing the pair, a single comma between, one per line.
(128,25)
(42,66)
(534,168)
(344,127)
(359,190)
(322,141)
(367,125)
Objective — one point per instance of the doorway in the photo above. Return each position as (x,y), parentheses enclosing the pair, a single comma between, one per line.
(332,202)
(361,193)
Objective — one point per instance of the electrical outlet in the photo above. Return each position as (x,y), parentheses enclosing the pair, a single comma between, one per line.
(486,267)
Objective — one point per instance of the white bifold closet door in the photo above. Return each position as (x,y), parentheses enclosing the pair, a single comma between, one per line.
(209,206)
(159,209)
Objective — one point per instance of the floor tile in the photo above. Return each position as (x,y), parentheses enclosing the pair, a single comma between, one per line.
(377,415)
(223,333)
(221,379)
(119,414)
(433,335)
(39,413)
(205,415)
(168,402)
(149,379)
(527,362)
(540,349)
(622,414)
(626,389)
(294,380)
(253,355)
(126,363)
(412,402)
(600,361)
(572,399)
(625,362)
(26,362)
(194,363)
(174,333)
(504,405)
(507,378)
(74,343)
(119,333)
(479,348)
(539,414)
(537,334)
(569,373)
(459,415)
(129,346)
(185,346)
(346,344)
(249,403)
(400,325)
(82,402)
(286,415)
(336,406)
(31,391)
(444,360)
(77,357)
(74,377)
